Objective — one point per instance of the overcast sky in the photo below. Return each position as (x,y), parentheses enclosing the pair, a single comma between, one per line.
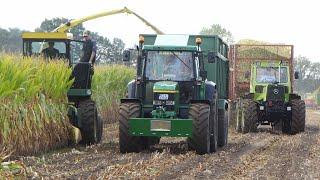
(276,21)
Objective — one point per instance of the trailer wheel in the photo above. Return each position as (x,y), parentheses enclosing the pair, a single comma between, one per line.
(127,142)
(249,116)
(239,120)
(200,140)
(223,123)
(100,129)
(298,116)
(90,127)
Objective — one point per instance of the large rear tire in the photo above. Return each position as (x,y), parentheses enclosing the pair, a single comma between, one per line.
(298,116)
(90,126)
(127,142)
(223,123)
(249,116)
(200,140)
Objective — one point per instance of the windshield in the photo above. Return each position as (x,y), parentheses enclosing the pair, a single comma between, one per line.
(271,75)
(47,49)
(76,53)
(169,65)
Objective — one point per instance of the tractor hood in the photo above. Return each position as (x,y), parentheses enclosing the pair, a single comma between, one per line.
(166,87)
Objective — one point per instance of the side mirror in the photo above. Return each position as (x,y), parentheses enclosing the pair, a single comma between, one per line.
(126,55)
(296,75)
(212,57)
(247,74)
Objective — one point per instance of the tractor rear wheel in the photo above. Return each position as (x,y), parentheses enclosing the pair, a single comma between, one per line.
(90,125)
(200,115)
(249,116)
(298,119)
(127,142)
(223,123)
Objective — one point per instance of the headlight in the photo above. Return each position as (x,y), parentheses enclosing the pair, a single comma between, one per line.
(170,103)
(157,102)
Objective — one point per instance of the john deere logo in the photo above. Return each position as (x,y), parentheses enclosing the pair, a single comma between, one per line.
(276,91)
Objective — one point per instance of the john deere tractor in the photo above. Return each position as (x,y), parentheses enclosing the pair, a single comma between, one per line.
(271,100)
(82,111)
(180,90)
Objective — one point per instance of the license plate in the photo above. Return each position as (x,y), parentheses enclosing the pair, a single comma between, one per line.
(159,125)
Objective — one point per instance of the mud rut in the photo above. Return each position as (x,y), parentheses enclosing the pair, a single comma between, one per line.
(262,155)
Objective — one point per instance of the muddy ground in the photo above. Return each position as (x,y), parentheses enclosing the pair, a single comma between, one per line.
(262,155)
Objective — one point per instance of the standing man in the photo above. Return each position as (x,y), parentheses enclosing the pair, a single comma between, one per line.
(89,49)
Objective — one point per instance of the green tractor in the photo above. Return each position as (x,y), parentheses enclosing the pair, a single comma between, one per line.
(271,101)
(82,110)
(180,90)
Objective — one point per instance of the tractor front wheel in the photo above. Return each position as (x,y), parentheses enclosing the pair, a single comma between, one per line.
(223,123)
(298,119)
(200,140)
(249,116)
(127,142)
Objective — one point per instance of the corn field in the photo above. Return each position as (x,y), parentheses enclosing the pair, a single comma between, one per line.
(32,104)
(109,86)
(33,101)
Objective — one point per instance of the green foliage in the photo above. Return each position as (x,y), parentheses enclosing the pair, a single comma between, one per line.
(33,103)
(309,73)
(10,40)
(110,84)
(217,29)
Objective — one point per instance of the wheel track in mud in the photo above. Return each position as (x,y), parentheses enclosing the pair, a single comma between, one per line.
(291,158)
(248,156)
(214,166)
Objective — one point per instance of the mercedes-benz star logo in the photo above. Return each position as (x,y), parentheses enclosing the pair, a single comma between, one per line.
(276,91)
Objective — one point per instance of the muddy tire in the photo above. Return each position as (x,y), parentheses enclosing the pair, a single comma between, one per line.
(223,123)
(100,129)
(214,124)
(127,142)
(200,140)
(298,119)
(238,120)
(153,140)
(249,116)
(90,129)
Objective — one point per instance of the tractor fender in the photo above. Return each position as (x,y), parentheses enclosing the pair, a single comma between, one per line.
(294,96)
(130,100)
(211,89)
(131,87)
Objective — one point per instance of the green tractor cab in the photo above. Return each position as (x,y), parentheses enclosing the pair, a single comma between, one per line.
(271,101)
(180,91)
(82,110)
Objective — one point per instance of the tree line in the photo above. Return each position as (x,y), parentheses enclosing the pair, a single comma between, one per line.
(111,51)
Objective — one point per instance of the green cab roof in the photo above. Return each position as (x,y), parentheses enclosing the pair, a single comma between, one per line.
(169,48)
